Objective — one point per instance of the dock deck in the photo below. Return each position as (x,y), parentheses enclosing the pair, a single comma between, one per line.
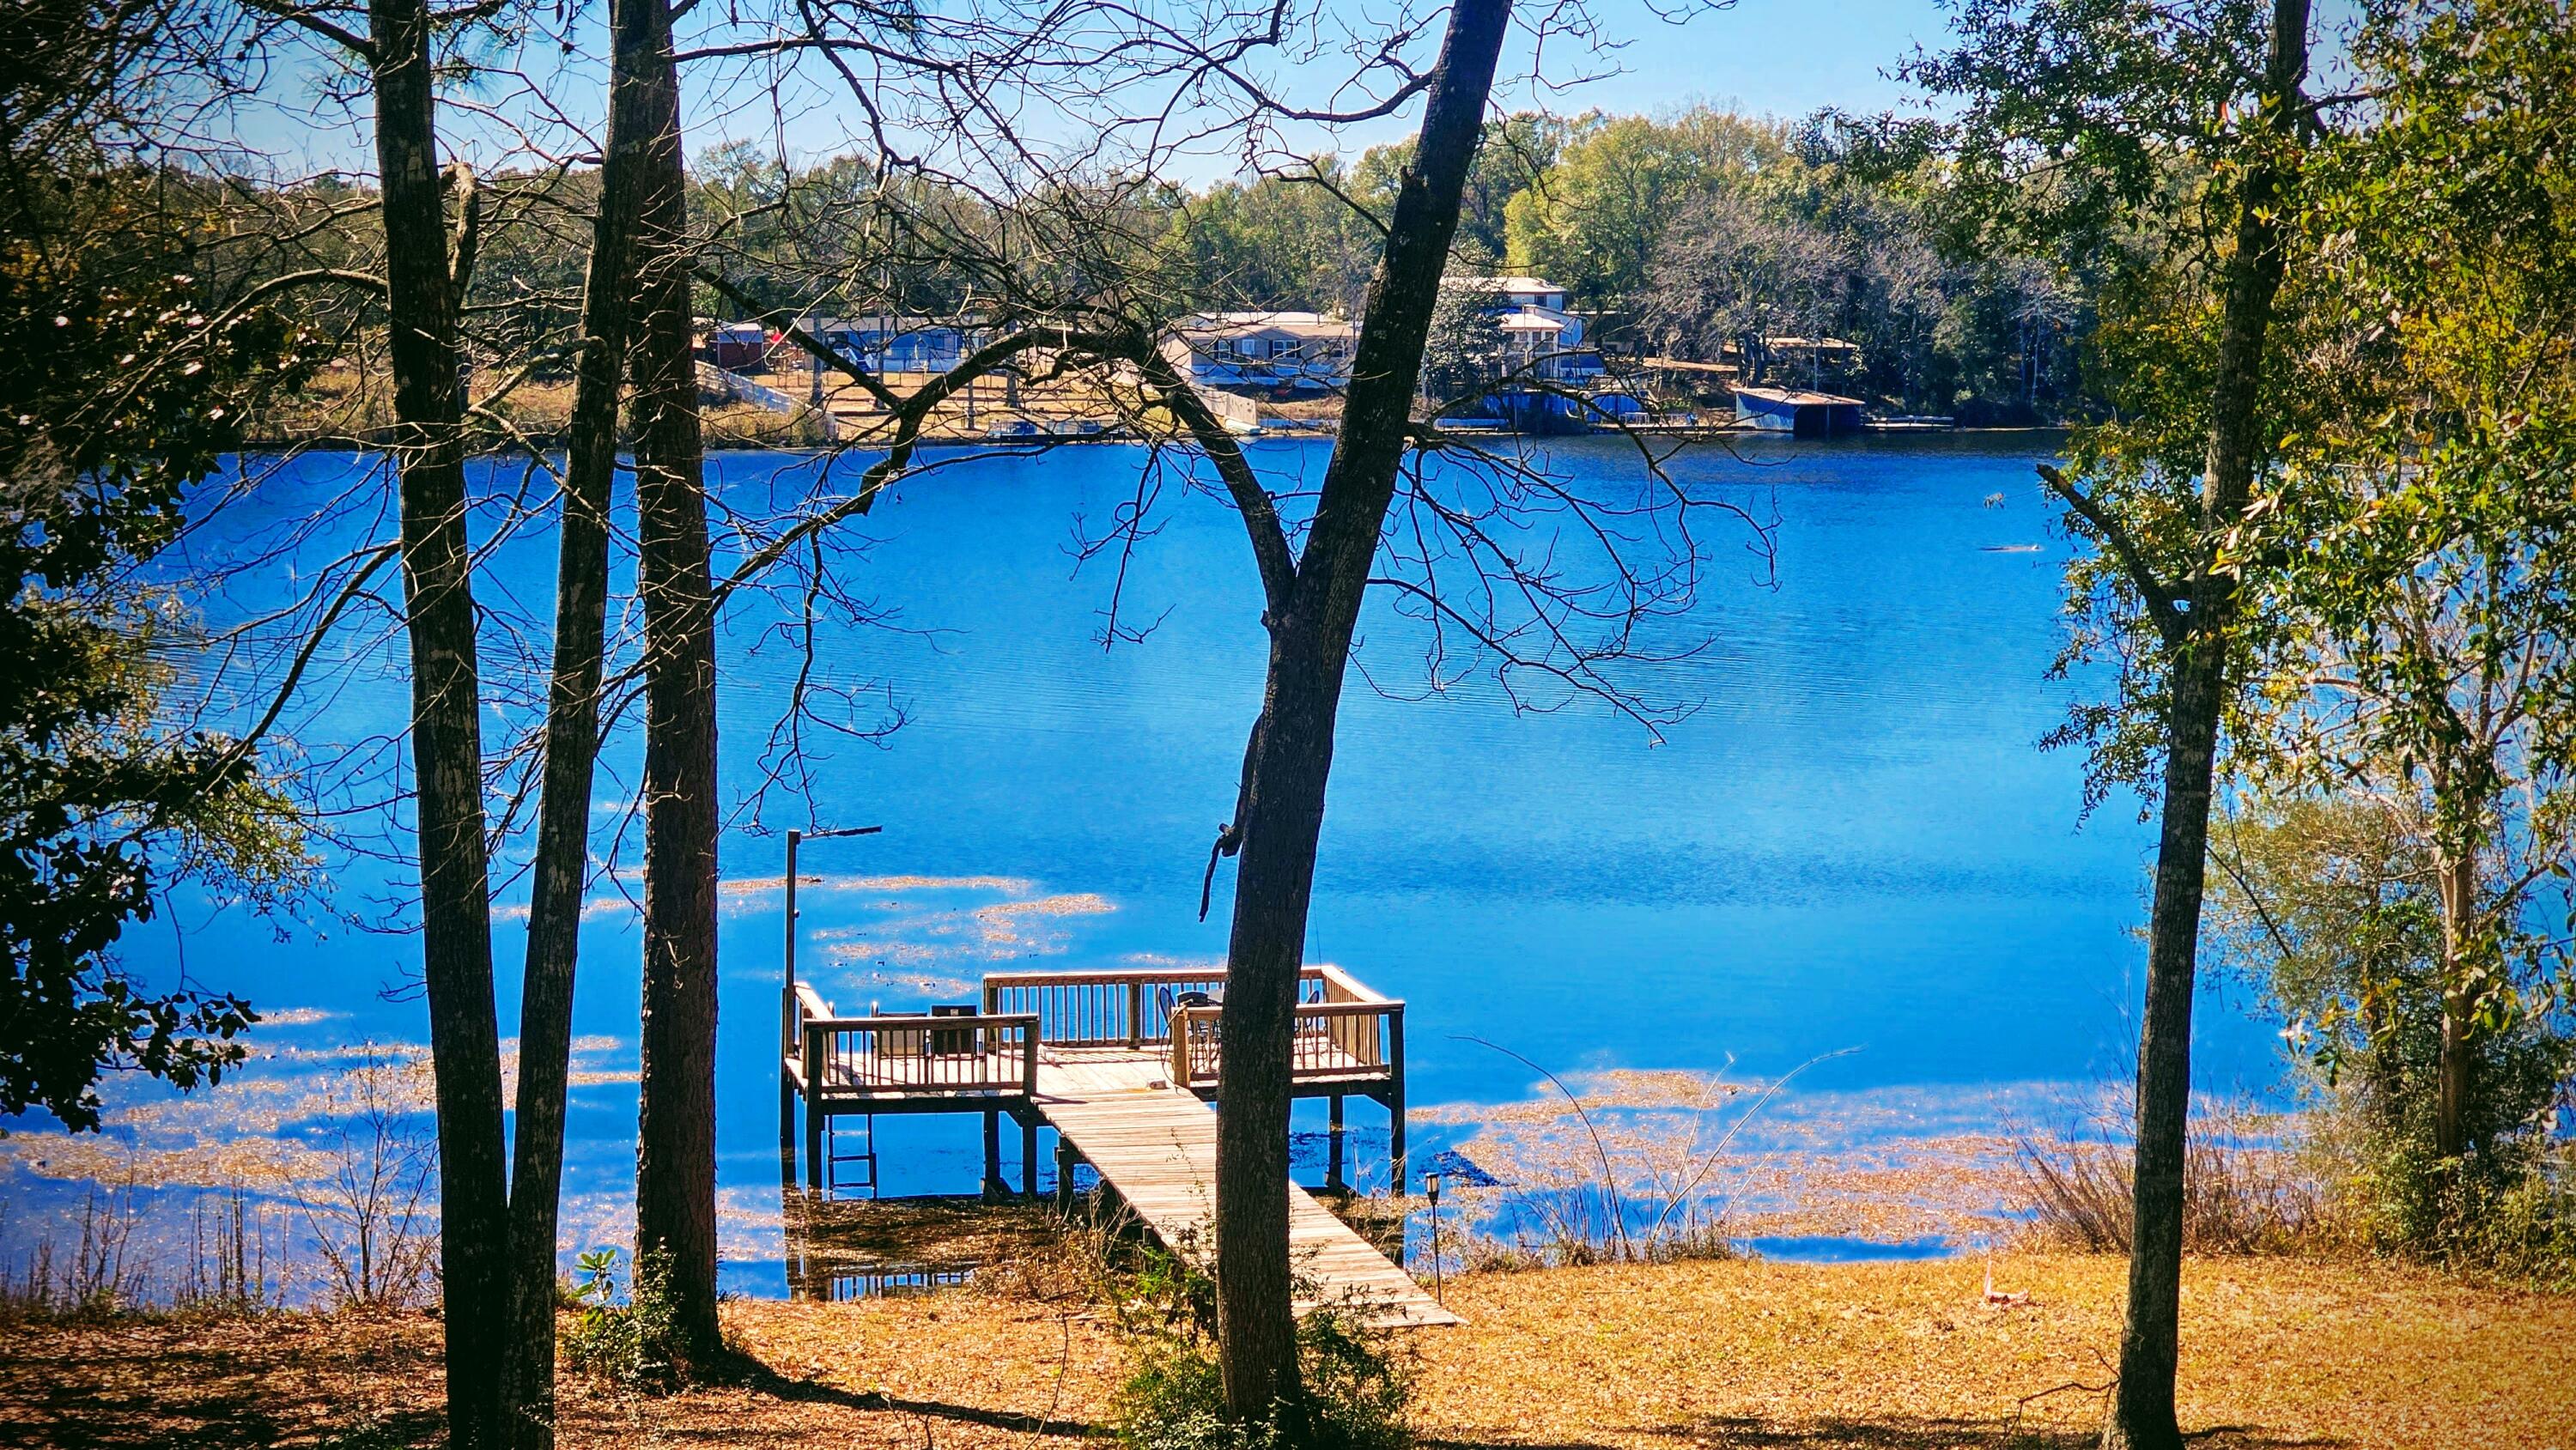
(1155,1145)
(1119,1065)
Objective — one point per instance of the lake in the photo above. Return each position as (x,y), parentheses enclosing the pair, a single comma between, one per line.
(1852,843)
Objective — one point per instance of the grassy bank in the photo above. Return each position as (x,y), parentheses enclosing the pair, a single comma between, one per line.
(2277,1352)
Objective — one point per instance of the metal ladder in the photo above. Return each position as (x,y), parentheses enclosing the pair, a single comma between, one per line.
(865,1157)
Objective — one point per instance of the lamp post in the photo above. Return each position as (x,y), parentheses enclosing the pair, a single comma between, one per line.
(787,1004)
(1431,1185)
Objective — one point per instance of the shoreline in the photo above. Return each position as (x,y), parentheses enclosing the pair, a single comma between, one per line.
(553,442)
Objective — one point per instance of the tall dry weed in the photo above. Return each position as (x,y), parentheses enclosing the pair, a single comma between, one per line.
(2247,1187)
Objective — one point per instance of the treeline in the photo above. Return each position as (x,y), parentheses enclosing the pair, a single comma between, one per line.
(1695,236)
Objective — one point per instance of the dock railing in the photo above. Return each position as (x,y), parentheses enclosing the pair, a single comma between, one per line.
(1343,1031)
(1122,1007)
(1125,1007)
(987,1053)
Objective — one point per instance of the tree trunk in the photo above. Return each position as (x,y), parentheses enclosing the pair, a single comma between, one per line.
(675,1155)
(638,38)
(447,735)
(2142,1415)
(1281,815)
(2459,897)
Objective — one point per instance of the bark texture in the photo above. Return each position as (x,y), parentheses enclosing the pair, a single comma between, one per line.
(2142,1415)
(2458,890)
(639,32)
(1313,608)
(447,735)
(675,1155)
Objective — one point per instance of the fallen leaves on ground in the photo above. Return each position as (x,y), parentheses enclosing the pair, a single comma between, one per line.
(1727,1354)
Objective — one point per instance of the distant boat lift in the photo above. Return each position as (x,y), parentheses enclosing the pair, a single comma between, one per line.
(1805,414)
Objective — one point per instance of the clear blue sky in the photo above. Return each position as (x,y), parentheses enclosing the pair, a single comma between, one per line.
(1777,57)
(1781,57)
(1784,58)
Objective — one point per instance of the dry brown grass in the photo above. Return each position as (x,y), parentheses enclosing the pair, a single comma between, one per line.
(352,402)
(1907,1355)
(2277,1352)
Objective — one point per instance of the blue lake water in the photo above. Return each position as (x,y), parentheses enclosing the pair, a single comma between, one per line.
(1852,841)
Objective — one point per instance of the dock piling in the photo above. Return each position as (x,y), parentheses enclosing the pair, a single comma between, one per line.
(994,1187)
(1333,1141)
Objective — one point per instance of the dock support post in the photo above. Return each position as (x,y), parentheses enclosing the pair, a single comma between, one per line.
(787,1122)
(1333,1142)
(994,1187)
(1064,1161)
(1395,1136)
(1029,1157)
(1395,1095)
(814,1116)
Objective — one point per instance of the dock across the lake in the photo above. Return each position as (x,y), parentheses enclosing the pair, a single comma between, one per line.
(1119,1064)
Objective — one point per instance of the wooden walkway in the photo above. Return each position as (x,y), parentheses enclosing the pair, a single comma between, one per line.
(1155,1146)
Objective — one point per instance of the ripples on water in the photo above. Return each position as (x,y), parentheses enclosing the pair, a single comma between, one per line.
(1852,840)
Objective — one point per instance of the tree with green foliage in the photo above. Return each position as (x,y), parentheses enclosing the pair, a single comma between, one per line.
(2180,135)
(1293,241)
(2329,904)
(1591,222)
(2425,643)
(122,385)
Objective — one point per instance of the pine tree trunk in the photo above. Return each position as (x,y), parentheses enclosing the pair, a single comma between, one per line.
(1291,758)
(2142,1416)
(638,37)
(675,1156)
(447,735)
(2459,897)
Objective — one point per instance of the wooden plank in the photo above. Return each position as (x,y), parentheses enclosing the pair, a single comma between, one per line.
(1156,1145)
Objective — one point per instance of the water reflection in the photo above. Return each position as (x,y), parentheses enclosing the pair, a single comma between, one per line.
(870,1248)
(1052,1246)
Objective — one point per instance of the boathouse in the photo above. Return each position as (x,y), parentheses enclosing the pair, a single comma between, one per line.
(1789,410)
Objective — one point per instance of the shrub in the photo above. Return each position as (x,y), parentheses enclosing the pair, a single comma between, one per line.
(1354,1397)
(2508,1213)
(1354,1394)
(614,1338)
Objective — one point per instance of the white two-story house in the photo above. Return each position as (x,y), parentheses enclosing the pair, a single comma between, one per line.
(1537,338)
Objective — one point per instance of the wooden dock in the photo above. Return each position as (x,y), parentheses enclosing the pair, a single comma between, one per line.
(1120,1065)
(1155,1146)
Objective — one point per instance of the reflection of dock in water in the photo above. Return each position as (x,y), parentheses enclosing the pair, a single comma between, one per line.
(1120,1064)
(840,1249)
(876,1248)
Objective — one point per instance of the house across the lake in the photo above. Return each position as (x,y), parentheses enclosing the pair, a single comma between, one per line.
(1537,339)
(1298,352)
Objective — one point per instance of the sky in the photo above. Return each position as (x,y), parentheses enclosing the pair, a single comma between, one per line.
(1784,58)
(1777,57)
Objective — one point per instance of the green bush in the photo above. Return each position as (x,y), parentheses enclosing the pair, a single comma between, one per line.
(616,1338)
(1354,1397)
(2508,1213)
(1354,1392)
